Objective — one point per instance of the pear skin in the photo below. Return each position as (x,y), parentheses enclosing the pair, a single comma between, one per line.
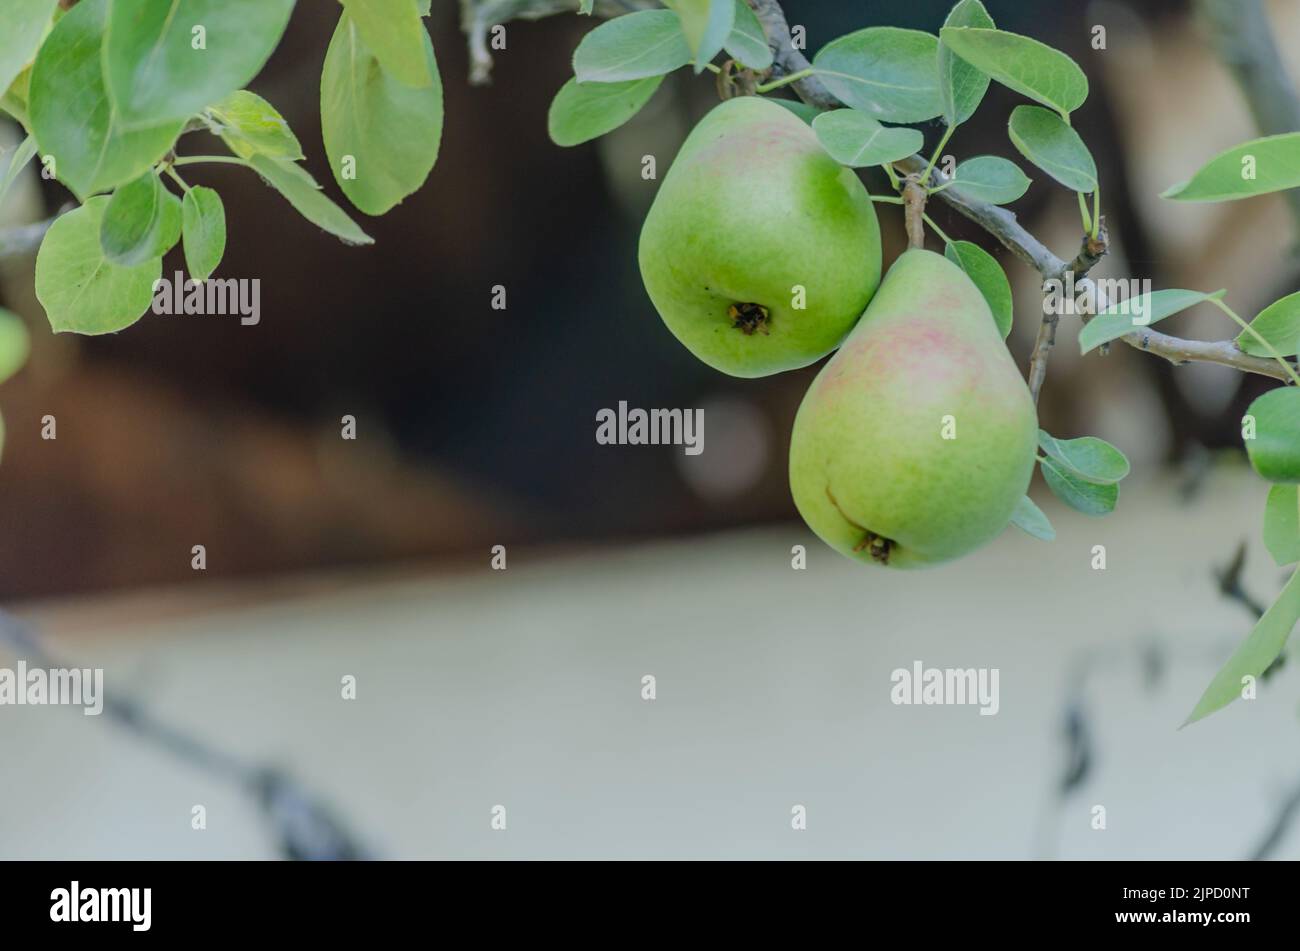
(753,209)
(871,471)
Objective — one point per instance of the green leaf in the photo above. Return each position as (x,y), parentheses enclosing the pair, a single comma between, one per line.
(204,228)
(804,111)
(706,25)
(986,274)
(1279,324)
(249,125)
(1029,518)
(1088,457)
(991,179)
(961,85)
(747,43)
(1090,498)
(170,233)
(131,230)
(584,7)
(80,289)
(1282,524)
(1274,450)
(141,221)
(167,61)
(22,27)
(296,184)
(581,112)
(15,344)
(381,136)
(1253,168)
(394,33)
(1045,139)
(1255,654)
(1029,67)
(70,112)
(884,71)
(646,43)
(855,139)
(17,162)
(14,99)
(1136,312)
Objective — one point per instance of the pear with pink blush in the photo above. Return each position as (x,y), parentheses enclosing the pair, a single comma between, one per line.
(917,440)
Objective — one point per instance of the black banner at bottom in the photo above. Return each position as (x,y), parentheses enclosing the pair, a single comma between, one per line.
(239,899)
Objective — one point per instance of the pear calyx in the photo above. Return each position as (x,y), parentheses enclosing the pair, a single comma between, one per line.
(749,318)
(878,546)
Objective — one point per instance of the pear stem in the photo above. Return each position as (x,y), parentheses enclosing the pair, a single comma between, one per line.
(938,151)
(172,173)
(784,81)
(1083,212)
(215,159)
(936,229)
(914,212)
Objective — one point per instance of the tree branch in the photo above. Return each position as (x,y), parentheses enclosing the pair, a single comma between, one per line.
(786,60)
(997,221)
(914,197)
(1002,225)
(1091,251)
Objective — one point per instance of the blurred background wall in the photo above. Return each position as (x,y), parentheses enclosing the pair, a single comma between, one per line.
(523,689)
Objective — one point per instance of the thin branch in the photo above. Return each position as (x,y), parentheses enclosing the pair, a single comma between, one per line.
(914,214)
(305,827)
(1180,352)
(1091,251)
(1230,586)
(1043,344)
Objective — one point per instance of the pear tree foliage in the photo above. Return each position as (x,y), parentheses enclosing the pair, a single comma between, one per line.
(109,91)
(108,97)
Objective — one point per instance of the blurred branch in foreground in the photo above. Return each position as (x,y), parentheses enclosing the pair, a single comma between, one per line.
(305,828)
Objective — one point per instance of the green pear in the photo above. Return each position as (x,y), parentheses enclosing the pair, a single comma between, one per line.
(917,440)
(760,251)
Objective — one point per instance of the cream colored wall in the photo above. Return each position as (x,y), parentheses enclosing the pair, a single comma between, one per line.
(523,688)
